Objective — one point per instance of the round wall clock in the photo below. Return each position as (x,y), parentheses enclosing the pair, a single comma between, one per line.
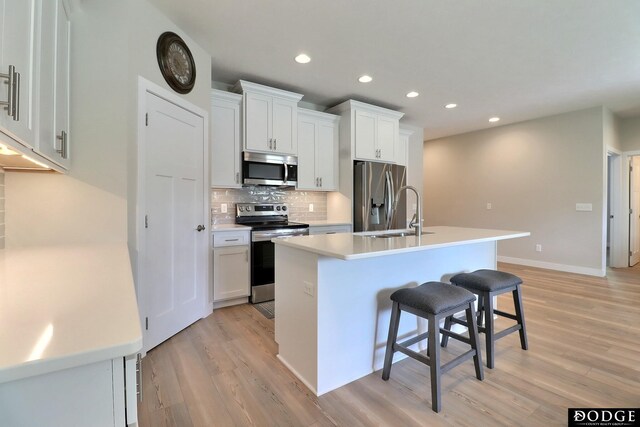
(176,62)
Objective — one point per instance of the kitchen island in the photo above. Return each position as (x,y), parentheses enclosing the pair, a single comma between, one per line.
(332,294)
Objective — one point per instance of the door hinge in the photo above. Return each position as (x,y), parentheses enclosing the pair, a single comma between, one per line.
(630,211)
(146,119)
(146,323)
(146,221)
(630,253)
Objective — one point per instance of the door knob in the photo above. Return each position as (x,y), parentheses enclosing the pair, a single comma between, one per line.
(200,228)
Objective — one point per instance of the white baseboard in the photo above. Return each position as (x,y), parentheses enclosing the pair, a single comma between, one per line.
(300,377)
(227,303)
(553,266)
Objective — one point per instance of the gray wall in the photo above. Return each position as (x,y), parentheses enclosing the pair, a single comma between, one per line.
(630,133)
(533,173)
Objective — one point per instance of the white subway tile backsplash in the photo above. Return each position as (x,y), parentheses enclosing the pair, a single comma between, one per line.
(297,202)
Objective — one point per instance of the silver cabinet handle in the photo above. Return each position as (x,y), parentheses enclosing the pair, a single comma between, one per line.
(13,93)
(64,149)
(270,143)
(231,240)
(317,182)
(139,377)
(320,181)
(200,228)
(275,143)
(237,177)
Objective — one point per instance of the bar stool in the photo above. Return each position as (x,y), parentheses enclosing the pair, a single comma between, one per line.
(433,301)
(487,284)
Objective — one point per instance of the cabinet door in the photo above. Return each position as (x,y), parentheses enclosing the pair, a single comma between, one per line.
(53,72)
(307,132)
(18,42)
(387,138)
(365,137)
(230,272)
(62,140)
(225,144)
(257,122)
(285,125)
(402,149)
(327,155)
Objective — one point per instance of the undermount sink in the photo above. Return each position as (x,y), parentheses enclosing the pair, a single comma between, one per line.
(397,234)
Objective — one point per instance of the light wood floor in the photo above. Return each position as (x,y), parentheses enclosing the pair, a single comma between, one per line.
(584,340)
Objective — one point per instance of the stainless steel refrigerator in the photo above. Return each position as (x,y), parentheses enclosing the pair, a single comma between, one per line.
(374,188)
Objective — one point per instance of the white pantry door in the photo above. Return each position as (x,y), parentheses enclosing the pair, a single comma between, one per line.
(175,258)
(634,216)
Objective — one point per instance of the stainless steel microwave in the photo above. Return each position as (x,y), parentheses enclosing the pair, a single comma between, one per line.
(269,169)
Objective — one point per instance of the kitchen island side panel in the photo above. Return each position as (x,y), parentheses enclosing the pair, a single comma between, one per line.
(354,307)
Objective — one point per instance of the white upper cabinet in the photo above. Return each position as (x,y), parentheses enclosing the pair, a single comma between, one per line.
(374,131)
(317,150)
(402,152)
(52,139)
(17,63)
(225,139)
(270,118)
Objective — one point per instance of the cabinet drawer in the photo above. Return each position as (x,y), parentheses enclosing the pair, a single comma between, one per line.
(230,238)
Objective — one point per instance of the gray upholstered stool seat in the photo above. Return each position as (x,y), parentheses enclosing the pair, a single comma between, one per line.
(433,297)
(486,280)
(433,301)
(488,284)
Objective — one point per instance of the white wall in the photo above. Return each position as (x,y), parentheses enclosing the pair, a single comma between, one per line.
(112,43)
(533,173)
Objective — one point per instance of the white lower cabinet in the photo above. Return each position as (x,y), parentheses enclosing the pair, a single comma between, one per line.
(231,265)
(98,394)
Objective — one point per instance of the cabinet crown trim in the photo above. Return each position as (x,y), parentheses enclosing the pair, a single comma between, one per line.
(351,105)
(317,114)
(406,132)
(244,86)
(217,95)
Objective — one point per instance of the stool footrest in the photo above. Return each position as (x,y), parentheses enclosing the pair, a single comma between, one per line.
(504,314)
(414,340)
(507,331)
(455,336)
(412,354)
(458,360)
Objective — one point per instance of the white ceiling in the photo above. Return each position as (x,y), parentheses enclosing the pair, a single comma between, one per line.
(514,59)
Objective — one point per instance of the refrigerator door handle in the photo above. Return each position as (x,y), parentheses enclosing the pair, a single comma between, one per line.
(388,199)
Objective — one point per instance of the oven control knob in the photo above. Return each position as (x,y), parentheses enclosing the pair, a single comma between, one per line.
(277,208)
(240,208)
(284,208)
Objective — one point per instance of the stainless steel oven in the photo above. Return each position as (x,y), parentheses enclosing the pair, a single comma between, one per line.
(267,221)
(269,169)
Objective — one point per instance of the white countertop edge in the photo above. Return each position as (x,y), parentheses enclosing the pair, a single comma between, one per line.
(326,223)
(49,365)
(228,227)
(285,242)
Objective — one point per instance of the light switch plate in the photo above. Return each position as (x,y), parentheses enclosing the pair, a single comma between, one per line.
(489,206)
(584,207)
(308,288)
(310,207)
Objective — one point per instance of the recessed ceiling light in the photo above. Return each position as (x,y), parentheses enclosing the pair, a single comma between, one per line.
(494,119)
(365,79)
(412,94)
(303,58)
(450,106)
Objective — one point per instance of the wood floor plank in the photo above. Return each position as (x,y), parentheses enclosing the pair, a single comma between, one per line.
(584,336)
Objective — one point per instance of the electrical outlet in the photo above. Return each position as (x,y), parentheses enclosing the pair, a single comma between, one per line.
(489,206)
(538,247)
(310,207)
(223,207)
(308,288)
(584,207)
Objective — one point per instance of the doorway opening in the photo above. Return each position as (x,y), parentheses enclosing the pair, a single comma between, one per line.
(634,210)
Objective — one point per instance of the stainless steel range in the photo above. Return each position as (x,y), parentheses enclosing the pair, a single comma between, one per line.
(267,221)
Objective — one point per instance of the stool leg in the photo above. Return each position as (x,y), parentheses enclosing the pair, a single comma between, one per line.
(434,363)
(488,311)
(480,310)
(473,337)
(517,302)
(447,326)
(391,340)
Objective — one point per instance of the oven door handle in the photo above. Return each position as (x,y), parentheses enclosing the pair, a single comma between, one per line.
(264,236)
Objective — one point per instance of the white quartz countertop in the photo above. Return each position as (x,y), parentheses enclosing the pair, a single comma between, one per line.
(322,223)
(223,227)
(350,246)
(65,306)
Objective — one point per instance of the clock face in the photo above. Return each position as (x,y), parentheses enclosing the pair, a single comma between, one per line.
(176,62)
